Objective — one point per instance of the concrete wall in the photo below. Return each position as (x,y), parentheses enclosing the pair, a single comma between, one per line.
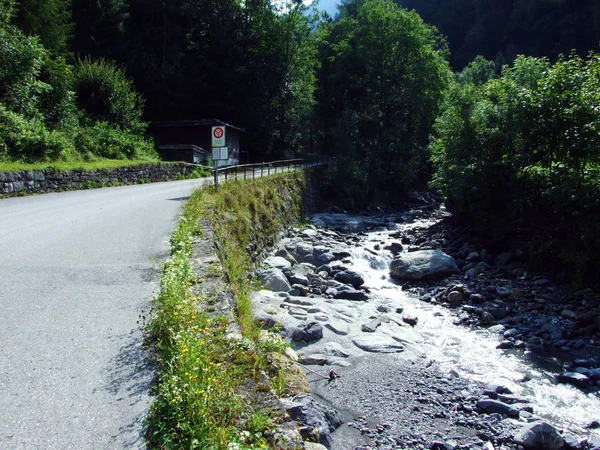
(51,180)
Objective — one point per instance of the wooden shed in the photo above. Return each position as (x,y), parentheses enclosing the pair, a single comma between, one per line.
(191,140)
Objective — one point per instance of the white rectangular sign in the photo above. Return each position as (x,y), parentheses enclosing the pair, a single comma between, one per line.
(218,136)
(220,153)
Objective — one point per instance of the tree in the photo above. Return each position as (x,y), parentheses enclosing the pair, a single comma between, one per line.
(383,74)
(50,20)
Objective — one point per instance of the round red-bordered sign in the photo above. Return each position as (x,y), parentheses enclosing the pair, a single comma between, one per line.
(218,133)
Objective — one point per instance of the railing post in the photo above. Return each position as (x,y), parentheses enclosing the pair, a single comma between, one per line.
(244,174)
(269,169)
(226,175)
(253,172)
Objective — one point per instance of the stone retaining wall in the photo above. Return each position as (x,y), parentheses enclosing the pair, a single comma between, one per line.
(52,180)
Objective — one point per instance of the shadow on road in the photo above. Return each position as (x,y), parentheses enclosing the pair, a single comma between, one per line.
(132,373)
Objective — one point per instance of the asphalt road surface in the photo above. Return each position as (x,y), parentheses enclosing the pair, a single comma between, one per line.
(77,270)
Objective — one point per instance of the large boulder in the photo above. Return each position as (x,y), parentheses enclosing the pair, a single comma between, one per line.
(422,264)
(274,280)
(539,436)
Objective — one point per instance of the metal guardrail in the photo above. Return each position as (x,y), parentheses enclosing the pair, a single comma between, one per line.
(257,170)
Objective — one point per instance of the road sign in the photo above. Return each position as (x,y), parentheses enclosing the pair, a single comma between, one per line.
(220,153)
(218,136)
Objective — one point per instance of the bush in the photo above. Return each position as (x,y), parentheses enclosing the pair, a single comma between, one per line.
(102,140)
(29,140)
(517,158)
(105,94)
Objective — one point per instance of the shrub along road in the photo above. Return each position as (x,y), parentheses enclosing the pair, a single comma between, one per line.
(76,271)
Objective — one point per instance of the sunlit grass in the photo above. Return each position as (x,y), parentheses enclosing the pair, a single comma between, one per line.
(73,165)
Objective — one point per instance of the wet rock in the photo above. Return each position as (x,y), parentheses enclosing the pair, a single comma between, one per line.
(394,247)
(494,406)
(473,256)
(308,332)
(350,277)
(593,425)
(455,298)
(574,378)
(539,436)
(378,344)
(383,308)
(274,280)
(571,442)
(351,294)
(410,320)
(504,345)
(423,264)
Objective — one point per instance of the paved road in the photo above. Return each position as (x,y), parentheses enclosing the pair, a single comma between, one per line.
(76,271)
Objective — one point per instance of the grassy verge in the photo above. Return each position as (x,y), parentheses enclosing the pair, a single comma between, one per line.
(200,399)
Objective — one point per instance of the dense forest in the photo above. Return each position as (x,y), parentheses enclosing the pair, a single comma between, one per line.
(395,98)
(500,30)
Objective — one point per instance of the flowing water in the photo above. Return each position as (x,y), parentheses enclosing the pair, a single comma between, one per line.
(471,352)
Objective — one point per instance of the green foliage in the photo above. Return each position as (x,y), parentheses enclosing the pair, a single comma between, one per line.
(517,157)
(500,30)
(105,141)
(382,77)
(198,402)
(50,20)
(105,94)
(21,60)
(29,140)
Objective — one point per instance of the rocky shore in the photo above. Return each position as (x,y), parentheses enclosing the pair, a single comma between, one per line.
(340,292)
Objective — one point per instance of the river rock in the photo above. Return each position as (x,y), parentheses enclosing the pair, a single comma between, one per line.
(423,264)
(274,280)
(307,332)
(539,436)
(297,278)
(278,262)
(410,320)
(314,359)
(378,344)
(575,378)
(371,326)
(351,294)
(335,349)
(494,406)
(350,277)
(503,259)
(338,327)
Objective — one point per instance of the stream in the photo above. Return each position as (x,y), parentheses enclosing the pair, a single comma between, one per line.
(404,384)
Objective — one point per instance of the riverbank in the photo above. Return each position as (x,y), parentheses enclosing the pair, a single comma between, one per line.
(408,371)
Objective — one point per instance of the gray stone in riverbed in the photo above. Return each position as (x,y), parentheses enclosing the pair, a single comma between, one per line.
(350,277)
(423,264)
(315,359)
(371,326)
(378,344)
(338,327)
(297,278)
(335,349)
(274,280)
(308,332)
(351,294)
(278,262)
(575,378)
(539,436)
(494,406)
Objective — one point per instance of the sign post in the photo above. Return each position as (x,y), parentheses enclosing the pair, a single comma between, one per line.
(220,151)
